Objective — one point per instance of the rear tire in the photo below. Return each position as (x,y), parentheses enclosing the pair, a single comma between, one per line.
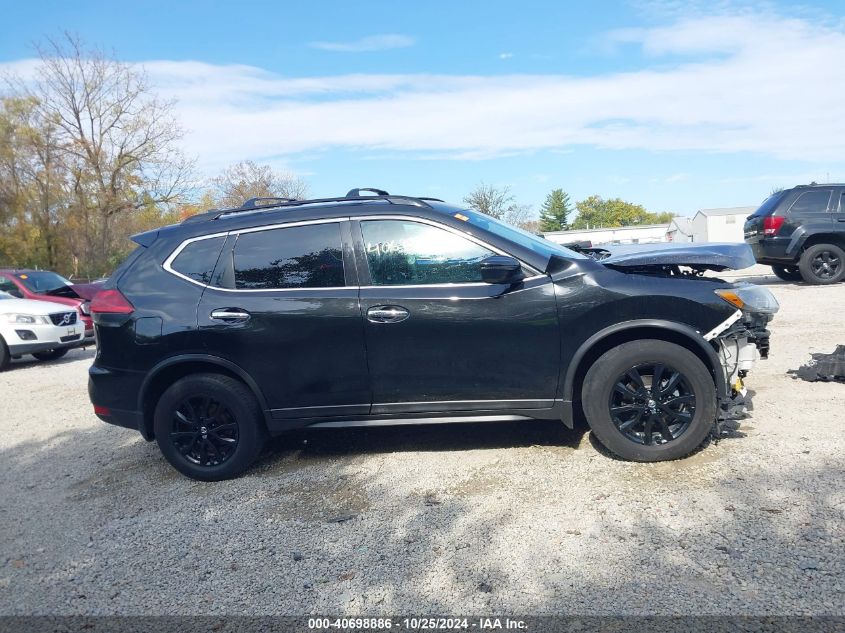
(5,358)
(822,264)
(209,427)
(787,273)
(51,354)
(640,420)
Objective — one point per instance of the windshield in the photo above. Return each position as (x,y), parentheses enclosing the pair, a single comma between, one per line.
(539,245)
(42,281)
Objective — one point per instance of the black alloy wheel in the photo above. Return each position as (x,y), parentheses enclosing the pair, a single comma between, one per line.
(823,264)
(205,431)
(209,426)
(826,265)
(652,403)
(650,400)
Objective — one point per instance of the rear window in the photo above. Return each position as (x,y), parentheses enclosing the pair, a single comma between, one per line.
(769,204)
(308,256)
(197,259)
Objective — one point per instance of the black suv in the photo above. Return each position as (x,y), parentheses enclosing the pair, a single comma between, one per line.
(380,309)
(800,233)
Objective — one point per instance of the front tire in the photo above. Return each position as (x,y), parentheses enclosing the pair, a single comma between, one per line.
(822,264)
(51,354)
(787,273)
(209,427)
(649,400)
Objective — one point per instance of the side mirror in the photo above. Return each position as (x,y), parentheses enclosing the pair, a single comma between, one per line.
(501,269)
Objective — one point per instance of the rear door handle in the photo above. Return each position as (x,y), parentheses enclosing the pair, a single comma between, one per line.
(387,314)
(230,315)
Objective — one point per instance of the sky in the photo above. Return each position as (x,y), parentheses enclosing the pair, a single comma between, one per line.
(674,105)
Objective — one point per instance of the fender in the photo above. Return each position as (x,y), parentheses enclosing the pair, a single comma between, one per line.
(803,233)
(204,358)
(674,326)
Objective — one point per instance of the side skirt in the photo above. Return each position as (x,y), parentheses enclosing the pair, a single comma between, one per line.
(559,411)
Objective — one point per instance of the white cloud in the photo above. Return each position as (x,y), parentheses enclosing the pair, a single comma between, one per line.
(366,44)
(758,83)
(505,55)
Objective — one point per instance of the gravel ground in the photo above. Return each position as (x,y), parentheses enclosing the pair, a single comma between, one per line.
(507,518)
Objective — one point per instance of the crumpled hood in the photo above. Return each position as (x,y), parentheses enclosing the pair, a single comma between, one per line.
(710,256)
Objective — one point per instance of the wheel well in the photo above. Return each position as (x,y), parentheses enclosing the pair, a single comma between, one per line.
(824,238)
(634,334)
(167,376)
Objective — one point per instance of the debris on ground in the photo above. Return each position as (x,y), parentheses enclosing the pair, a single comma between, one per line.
(823,367)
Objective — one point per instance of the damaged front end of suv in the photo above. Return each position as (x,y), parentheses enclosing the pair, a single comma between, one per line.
(743,338)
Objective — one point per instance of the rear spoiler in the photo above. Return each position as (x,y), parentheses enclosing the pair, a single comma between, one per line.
(146,238)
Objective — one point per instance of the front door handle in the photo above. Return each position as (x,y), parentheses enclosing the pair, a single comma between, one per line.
(230,315)
(387,314)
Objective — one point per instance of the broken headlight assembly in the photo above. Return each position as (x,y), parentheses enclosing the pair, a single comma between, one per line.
(750,298)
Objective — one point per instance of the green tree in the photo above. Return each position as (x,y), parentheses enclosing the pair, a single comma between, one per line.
(595,211)
(554,214)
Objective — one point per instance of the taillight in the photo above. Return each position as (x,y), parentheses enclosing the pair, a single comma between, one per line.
(772,224)
(111,302)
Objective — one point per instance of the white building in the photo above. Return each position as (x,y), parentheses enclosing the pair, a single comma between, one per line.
(718,225)
(680,230)
(639,234)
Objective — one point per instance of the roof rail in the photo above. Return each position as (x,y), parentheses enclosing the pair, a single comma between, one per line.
(255,204)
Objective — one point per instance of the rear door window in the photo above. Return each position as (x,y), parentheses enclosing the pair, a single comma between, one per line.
(309,256)
(814,201)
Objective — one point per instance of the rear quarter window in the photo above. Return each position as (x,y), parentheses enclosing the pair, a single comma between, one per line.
(197,260)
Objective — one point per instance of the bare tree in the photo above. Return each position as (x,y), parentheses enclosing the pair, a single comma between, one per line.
(491,200)
(247,179)
(116,139)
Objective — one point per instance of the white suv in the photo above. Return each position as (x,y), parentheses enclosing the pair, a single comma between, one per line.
(44,329)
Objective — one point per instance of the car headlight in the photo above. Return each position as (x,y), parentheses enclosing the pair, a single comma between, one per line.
(750,298)
(85,308)
(31,319)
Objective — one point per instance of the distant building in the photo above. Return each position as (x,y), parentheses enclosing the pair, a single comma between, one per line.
(719,225)
(638,234)
(680,230)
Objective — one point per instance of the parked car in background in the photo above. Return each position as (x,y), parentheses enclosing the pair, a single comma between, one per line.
(800,233)
(375,310)
(42,328)
(45,285)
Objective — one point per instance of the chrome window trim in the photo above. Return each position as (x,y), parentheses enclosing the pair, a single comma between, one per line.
(168,263)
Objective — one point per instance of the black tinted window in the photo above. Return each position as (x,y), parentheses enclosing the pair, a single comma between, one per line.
(197,259)
(297,257)
(408,253)
(811,201)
